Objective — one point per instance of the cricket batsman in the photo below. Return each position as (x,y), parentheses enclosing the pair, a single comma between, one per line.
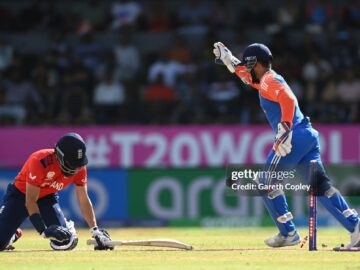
(296,142)
(34,194)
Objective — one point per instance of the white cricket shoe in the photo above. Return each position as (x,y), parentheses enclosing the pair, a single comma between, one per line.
(355,236)
(279,240)
(13,239)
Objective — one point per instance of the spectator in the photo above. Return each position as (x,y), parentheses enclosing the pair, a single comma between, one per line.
(313,68)
(190,108)
(75,109)
(125,13)
(348,89)
(22,98)
(89,51)
(222,97)
(179,50)
(168,68)
(79,50)
(127,58)
(10,114)
(159,99)
(288,13)
(319,11)
(194,16)
(109,98)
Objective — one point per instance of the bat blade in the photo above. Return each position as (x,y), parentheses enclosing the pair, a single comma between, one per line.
(169,243)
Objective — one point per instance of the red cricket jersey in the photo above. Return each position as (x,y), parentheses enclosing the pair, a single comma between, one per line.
(42,169)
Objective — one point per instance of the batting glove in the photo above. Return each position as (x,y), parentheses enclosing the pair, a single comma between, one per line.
(102,238)
(224,56)
(57,233)
(282,145)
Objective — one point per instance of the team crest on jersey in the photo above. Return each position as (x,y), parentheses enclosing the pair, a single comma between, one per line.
(80,153)
(50,175)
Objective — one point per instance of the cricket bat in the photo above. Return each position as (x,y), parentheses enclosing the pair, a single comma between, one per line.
(169,243)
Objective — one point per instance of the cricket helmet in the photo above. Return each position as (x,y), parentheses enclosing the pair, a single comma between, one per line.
(71,153)
(254,53)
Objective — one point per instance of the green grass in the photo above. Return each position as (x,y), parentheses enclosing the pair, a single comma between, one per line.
(214,249)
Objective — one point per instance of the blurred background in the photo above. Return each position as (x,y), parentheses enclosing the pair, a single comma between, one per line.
(138,81)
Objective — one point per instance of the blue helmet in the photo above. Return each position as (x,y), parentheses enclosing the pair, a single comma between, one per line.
(254,53)
(71,153)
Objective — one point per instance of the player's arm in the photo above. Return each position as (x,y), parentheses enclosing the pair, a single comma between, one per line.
(101,236)
(85,204)
(52,232)
(223,56)
(31,197)
(286,99)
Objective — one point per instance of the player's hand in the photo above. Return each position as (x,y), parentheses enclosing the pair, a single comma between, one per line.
(57,233)
(102,238)
(282,145)
(224,56)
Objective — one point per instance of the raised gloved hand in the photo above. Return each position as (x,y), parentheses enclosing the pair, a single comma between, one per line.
(224,56)
(57,233)
(102,238)
(282,145)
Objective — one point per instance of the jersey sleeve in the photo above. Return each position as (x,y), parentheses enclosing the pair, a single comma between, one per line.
(81,178)
(278,92)
(245,76)
(36,172)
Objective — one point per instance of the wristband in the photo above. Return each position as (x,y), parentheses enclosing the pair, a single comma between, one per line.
(37,222)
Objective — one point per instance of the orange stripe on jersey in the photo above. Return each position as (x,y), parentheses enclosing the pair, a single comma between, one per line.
(273,90)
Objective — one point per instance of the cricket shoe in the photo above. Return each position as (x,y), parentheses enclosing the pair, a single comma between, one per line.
(279,240)
(355,236)
(13,239)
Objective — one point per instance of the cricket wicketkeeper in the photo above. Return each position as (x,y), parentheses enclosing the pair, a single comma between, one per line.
(34,194)
(296,141)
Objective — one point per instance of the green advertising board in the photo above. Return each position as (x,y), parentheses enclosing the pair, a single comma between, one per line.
(199,197)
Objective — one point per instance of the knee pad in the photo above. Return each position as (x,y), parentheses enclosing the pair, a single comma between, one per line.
(67,245)
(331,191)
(350,212)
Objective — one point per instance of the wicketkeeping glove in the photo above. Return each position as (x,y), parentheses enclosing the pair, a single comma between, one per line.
(282,145)
(102,237)
(57,233)
(223,55)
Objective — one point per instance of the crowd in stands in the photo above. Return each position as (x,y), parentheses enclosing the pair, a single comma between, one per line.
(151,62)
